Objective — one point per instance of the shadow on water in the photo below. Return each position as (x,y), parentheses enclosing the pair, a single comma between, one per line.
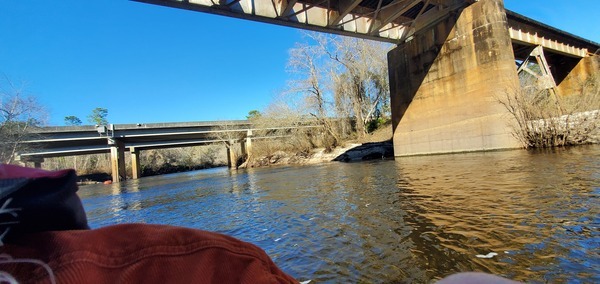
(410,220)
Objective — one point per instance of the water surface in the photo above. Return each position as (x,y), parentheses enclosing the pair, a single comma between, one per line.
(412,220)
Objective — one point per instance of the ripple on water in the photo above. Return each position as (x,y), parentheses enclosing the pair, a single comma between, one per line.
(410,220)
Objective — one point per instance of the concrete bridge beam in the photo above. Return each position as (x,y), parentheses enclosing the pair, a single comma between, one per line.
(117,159)
(445,82)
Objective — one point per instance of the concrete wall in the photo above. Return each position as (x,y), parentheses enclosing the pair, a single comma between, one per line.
(584,70)
(445,83)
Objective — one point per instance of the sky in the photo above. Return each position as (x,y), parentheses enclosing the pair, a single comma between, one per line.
(147,63)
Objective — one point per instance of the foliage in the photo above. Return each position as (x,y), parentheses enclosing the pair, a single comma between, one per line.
(543,118)
(253,115)
(376,124)
(98,116)
(72,120)
(19,113)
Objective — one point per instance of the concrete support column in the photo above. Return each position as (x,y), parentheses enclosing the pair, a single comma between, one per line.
(135,162)
(446,81)
(117,159)
(248,143)
(231,156)
(37,162)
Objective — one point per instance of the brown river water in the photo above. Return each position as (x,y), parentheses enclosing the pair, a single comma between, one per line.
(532,216)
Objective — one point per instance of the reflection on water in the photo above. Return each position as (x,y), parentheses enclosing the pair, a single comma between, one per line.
(410,220)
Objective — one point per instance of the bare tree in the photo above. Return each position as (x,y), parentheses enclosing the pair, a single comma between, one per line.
(310,73)
(362,78)
(19,113)
(341,77)
(544,119)
(230,134)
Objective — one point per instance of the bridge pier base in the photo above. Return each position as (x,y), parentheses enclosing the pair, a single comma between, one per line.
(445,83)
(117,159)
(135,163)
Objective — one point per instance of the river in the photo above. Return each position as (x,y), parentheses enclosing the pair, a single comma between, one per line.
(411,220)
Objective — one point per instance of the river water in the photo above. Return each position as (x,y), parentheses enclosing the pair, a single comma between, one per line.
(411,220)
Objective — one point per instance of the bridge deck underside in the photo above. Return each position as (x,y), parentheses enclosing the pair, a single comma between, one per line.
(384,20)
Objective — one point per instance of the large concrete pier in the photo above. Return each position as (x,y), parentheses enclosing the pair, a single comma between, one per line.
(444,84)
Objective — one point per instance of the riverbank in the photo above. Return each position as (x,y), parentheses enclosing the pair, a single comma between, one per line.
(374,146)
(352,152)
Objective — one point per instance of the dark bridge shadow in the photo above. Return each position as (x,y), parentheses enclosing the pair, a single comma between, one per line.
(368,151)
(409,64)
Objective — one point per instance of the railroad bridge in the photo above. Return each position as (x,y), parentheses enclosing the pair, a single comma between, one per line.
(453,59)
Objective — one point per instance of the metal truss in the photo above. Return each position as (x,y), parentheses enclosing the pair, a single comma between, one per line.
(384,20)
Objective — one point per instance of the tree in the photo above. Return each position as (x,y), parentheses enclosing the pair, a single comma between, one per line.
(253,115)
(18,115)
(360,86)
(72,120)
(305,64)
(341,77)
(98,116)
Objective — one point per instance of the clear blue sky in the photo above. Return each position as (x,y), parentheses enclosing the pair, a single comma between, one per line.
(147,63)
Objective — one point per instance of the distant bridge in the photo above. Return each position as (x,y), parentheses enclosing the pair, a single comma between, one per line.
(453,60)
(118,138)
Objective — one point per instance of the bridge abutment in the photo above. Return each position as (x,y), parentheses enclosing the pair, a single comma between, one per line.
(445,83)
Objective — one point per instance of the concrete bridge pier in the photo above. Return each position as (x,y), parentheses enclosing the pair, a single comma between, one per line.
(445,82)
(231,156)
(136,168)
(117,159)
(246,144)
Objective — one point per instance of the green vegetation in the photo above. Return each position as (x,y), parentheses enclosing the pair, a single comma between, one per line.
(98,116)
(72,120)
(253,115)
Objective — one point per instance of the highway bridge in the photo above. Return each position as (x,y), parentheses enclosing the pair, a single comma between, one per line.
(118,138)
(453,59)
